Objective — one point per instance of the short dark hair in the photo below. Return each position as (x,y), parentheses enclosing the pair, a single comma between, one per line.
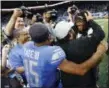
(39,32)
(81,16)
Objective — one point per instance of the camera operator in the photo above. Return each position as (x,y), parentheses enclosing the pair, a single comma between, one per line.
(15,22)
(36,18)
(20,19)
(72,11)
(50,20)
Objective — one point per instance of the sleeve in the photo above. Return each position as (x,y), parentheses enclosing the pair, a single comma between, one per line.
(98,32)
(57,57)
(15,60)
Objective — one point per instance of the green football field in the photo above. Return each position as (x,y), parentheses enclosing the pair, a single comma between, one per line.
(103,67)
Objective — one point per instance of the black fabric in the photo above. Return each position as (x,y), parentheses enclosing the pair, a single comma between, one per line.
(78,51)
(7,82)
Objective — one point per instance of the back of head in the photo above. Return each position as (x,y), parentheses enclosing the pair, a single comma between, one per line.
(39,32)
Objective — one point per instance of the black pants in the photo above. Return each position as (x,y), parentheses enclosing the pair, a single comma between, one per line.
(7,82)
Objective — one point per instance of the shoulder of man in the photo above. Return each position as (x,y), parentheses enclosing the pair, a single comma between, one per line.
(57,54)
(16,50)
(27,44)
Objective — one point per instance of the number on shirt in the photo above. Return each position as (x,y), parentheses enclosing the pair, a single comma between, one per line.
(29,70)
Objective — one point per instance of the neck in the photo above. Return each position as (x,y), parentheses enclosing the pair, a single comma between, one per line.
(42,44)
(20,42)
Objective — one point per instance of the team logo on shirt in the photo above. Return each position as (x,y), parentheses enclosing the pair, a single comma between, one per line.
(57,55)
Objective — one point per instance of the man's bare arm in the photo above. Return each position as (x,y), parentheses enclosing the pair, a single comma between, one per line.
(20,69)
(10,25)
(81,69)
(5,52)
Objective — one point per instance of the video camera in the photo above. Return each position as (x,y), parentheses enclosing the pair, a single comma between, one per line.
(73,9)
(26,12)
(39,18)
(52,14)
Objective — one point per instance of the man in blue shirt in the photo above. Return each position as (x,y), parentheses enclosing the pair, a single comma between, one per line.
(15,60)
(41,60)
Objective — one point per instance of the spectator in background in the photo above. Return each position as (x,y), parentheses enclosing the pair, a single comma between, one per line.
(50,20)
(72,11)
(36,18)
(15,22)
(78,50)
(5,51)
(5,69)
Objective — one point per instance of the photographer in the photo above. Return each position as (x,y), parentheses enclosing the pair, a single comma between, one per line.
(15,22)
(50,17)
(36,18)
(50,20)
(72,11)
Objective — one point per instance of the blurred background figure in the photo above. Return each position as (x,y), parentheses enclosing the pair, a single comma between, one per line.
(72,11)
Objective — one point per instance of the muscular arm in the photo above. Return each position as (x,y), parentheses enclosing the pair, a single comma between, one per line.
(5,51)
(81,69)
(10,25)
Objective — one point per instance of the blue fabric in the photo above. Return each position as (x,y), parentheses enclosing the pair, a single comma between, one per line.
(41,65)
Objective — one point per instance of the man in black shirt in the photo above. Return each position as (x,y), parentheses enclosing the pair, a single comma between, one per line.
(79,50)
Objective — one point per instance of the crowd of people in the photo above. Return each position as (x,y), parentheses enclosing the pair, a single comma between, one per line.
(44,52)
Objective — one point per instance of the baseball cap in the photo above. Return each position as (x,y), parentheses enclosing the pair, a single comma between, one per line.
(39,32)
(61,29)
